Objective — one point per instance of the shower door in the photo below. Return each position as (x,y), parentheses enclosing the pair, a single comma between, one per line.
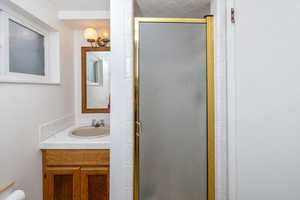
(174,143)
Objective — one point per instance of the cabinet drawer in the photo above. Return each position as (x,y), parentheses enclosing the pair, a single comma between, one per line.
(76,157)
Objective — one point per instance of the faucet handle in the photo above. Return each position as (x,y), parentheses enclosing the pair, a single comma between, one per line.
(102,124)
(94,121)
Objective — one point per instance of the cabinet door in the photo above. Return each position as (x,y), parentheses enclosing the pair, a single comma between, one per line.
(62,183)
(95,183)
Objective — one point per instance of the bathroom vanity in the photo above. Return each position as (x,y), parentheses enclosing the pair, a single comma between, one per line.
(76,174)
(76,160)
(76,167)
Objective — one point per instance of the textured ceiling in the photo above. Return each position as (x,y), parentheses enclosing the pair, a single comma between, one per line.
(173,8)
(81,4)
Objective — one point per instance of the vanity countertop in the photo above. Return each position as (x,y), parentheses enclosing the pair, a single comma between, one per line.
(63,140)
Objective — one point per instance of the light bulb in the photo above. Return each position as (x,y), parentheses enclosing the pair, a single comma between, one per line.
(90,34)
(105,35)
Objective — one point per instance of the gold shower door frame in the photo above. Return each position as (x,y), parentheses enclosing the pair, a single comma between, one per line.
(209,21)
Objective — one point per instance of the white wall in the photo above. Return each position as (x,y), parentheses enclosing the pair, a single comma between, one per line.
(121,100)
(82,118)
(265,89)
(23,107)
(218,9)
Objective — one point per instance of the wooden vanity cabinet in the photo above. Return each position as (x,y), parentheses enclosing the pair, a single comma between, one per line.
(62,183)
(76,174)
(94,183)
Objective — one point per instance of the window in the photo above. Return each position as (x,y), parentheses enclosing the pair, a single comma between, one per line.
(26,50)
(29,50)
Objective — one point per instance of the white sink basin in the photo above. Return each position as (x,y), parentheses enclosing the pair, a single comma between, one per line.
(90,132)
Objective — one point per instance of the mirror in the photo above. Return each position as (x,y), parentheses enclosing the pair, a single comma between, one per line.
(95,80)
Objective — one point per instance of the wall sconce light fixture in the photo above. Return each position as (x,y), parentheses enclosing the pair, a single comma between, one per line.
(92,37)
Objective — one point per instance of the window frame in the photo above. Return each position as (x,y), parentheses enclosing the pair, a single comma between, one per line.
(15,77)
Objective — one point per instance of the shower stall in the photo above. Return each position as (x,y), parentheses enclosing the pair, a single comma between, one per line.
(174,109)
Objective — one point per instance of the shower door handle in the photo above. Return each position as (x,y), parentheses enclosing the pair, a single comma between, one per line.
(138,128)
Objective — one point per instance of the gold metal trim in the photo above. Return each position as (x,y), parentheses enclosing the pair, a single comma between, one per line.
(210,108)
(136,169)
(170,20)
(5,187)
(209,21)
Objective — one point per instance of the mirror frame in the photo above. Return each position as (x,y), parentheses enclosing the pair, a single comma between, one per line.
(84,108)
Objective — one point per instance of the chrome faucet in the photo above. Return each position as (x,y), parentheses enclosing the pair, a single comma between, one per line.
(98,124)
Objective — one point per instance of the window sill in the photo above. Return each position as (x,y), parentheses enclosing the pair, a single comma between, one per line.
(27,81)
